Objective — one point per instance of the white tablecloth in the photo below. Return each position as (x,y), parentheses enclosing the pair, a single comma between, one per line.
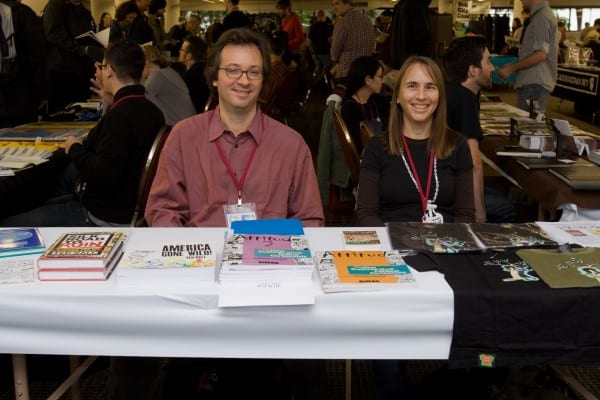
(182,319)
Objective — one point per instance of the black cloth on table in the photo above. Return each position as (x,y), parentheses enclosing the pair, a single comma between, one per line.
(515,321)
(31,187)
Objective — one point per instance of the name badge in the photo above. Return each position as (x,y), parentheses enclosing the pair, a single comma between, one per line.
(239,212)
(431,216)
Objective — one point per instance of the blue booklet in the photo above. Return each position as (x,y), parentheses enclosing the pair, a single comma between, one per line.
(275,226)
(20,241)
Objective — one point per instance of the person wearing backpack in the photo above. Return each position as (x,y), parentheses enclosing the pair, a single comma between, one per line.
(70,62)
(23,73)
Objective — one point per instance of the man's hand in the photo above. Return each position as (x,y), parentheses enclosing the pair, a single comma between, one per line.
(71,140)
(506,71)
(98,88)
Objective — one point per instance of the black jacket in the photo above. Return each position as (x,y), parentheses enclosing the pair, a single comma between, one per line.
(111,159)
(20,97)
(63,21)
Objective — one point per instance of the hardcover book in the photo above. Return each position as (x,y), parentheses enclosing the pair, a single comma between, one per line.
(545,163)
(82,250)
(346,270)
(20,241)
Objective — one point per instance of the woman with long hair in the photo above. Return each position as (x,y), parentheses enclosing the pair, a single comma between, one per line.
(104,22)
(362,102)
(420,170)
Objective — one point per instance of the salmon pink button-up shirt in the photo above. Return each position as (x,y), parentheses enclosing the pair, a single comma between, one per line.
(192,182)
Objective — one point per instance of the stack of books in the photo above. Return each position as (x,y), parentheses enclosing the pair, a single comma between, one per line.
(266,262)
(82,256)
(20,241)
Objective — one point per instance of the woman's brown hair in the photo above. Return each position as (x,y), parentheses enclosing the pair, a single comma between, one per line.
(442,140)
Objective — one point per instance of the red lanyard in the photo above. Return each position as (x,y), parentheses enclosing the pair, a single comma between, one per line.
(416,175)
(131,96)
(239,184)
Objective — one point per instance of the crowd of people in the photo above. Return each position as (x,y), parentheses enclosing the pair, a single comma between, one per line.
(231,157)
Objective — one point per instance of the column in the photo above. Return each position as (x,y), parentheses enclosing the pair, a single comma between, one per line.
(172,14)
(517,10)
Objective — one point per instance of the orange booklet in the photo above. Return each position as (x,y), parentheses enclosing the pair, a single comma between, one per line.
(364,267)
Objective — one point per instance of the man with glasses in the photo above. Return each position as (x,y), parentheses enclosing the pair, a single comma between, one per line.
(234,162)
(468,69)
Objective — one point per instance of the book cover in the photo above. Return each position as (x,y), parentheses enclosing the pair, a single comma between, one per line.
(346,270)
(579,178)
(98,38)
(361,240)
(508,235)
(574,268)
(250,251)
(20,241)
(435,238)
(82,249)
(170,255)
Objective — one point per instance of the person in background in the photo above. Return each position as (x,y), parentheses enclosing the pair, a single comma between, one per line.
(156,13)
(290,23)
(24,92)
(513,41)
(202,164)
(362,103)
(193,55)
(269,98)
(468,70)
(139,30)
(166,88)
(538,58)
(125,14)
(353,37)
(179,32)
(70,63)
(104,22)
(593,34)
(235,18)
(320,34)
(418,148)
(109,161)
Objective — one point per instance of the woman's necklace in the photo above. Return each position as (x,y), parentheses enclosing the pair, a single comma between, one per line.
(429,207)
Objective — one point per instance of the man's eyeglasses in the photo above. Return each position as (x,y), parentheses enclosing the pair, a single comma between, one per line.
(100,66)
(236,73)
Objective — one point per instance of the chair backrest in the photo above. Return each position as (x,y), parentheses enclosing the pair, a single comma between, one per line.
(211,102)
(348,146)
(147,176)
(366,133)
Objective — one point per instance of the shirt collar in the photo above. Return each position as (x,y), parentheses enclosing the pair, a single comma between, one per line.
(129,90)
(218,128)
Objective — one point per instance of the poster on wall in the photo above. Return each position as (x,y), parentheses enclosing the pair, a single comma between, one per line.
(465,10)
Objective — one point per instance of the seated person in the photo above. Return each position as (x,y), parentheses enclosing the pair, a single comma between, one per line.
(420,170)
(193,55)
(234,154)
(166,88)
(468,70)
(361,102)
(109,161)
